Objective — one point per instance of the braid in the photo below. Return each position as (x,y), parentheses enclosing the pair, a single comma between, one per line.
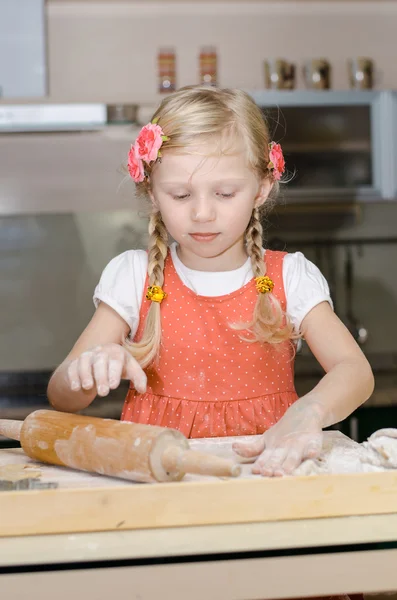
(146,350)
(158,248)
(253,238)
(268,322)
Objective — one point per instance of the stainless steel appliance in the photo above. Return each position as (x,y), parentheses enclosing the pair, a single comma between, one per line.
(338,145)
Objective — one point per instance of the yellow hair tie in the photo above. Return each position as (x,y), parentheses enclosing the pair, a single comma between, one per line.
(155,293)
(264,284)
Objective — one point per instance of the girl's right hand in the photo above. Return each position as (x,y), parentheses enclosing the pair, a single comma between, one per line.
(104,367)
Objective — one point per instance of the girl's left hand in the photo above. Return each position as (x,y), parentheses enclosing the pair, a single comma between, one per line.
(281,449)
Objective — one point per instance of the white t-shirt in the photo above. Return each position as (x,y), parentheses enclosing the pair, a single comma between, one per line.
(122,281)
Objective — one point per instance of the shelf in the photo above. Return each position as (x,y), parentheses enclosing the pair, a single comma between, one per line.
(343,146)
(297,98)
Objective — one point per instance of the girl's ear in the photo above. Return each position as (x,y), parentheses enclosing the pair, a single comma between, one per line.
(263,193)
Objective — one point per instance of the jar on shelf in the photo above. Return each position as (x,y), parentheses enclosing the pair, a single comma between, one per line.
(166,65)
(361,73)
(208,65)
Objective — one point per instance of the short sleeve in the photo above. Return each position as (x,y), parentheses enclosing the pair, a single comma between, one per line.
(121,286)
(305,287)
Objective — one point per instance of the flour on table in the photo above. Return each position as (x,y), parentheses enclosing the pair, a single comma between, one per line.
(339,454)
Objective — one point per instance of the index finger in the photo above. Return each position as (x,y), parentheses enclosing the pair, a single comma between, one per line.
(250,449)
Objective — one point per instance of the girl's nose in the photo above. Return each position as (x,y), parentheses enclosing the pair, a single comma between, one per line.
(203,211)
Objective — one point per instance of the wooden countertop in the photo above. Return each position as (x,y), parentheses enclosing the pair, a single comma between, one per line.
(86,503)
(235,539)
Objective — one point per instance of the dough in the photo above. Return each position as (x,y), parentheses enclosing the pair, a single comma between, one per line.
(16,472)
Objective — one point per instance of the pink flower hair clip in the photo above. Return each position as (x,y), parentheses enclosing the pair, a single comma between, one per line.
(276,163)
(145,150)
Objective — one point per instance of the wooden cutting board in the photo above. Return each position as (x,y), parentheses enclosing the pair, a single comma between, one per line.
(85,502)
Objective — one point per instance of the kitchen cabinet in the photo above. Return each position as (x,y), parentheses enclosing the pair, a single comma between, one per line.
(22,49)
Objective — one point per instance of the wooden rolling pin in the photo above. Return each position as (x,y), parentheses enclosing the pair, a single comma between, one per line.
(131,451)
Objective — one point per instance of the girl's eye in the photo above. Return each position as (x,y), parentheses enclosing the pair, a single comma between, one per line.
(181,197)
(231,195)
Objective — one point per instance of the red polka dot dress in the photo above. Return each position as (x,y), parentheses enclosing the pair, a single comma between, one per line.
(207,381)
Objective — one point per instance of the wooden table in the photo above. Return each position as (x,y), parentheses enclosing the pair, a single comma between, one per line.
(269,555)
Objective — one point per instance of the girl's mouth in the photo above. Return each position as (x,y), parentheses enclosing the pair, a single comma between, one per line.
(203,237)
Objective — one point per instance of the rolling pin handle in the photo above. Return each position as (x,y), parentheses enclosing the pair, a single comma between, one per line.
(190,461)
(11,429)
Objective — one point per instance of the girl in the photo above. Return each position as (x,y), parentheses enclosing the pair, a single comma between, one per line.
(205,328)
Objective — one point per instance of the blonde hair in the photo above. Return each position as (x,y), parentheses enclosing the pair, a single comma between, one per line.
(188,117)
